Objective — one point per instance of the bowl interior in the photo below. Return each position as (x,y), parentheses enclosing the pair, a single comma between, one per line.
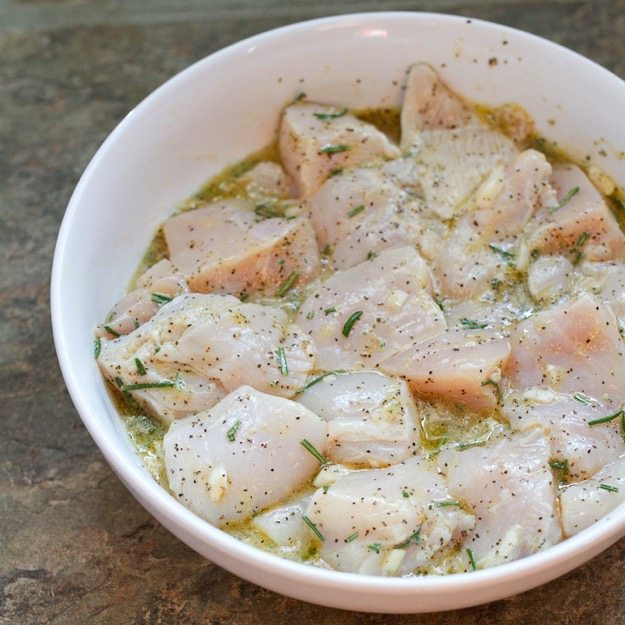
(225,107)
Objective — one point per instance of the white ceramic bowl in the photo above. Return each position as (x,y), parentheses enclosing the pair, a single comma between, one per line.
(223,108)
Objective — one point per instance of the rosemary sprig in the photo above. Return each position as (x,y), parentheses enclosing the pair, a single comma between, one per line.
(565,200)
(334,149)
(288,284)
(349,324)
(284,365)
(231,434)
(313,451)
(313,527)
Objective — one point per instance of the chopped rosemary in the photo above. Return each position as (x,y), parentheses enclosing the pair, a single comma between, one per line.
(140,367)
(610,417)
(609,488)
(327,250)
(300,96)
(97,346)
(371,254)
(351,537)
(405,494)
(579,254)
(267,209)
(471,559)
(565,200)
(111,331)
(439,303)
(310,314)
(325,116)
(160,299)
(317,379)
(413,539)
(582,398)
(374,547)
(313,451)
(288,284)
(143,385)
(507,256)
(349,324)
(334,149)
(231,434)
(336,171)
(471,324)
(119,382)
(284,365)
(560,465)
(327,311)
(354,211)
(446,504)
(313,527)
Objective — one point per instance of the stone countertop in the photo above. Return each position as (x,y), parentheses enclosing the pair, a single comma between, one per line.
(75,547)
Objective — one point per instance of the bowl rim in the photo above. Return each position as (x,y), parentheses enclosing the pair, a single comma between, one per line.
(573,551)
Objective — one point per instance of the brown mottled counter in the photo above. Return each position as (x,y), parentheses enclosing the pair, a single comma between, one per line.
(75,547)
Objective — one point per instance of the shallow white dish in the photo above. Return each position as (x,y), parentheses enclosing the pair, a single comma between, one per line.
(226,106)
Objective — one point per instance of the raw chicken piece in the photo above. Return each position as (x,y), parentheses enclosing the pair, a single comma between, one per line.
(564,418)
(583,227)
(372,418)
(453,149)
(241,456)
(387,521)
(315,140)
(210,340)
(428,105)
(226,248)
(159,284)
(362,212)
(382,305)
(583,504)
(460,366)
(509,196)
(573,347)
(452,163)
(284,523)
(479,248)
(509,487)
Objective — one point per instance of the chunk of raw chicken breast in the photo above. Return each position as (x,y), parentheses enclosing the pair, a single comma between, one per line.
(509,487)
(387,521)
(460,366)
(583,227)
(226,248)
(315,140)
(428,105)
(241,456)
(372,418)
(585,503)
(360,316)
(158,285)
(573,347)
(481,246)
(454,150)
(582,448)
(362,212)
(213,342)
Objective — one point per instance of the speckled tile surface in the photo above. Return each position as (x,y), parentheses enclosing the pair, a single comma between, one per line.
(75,547)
